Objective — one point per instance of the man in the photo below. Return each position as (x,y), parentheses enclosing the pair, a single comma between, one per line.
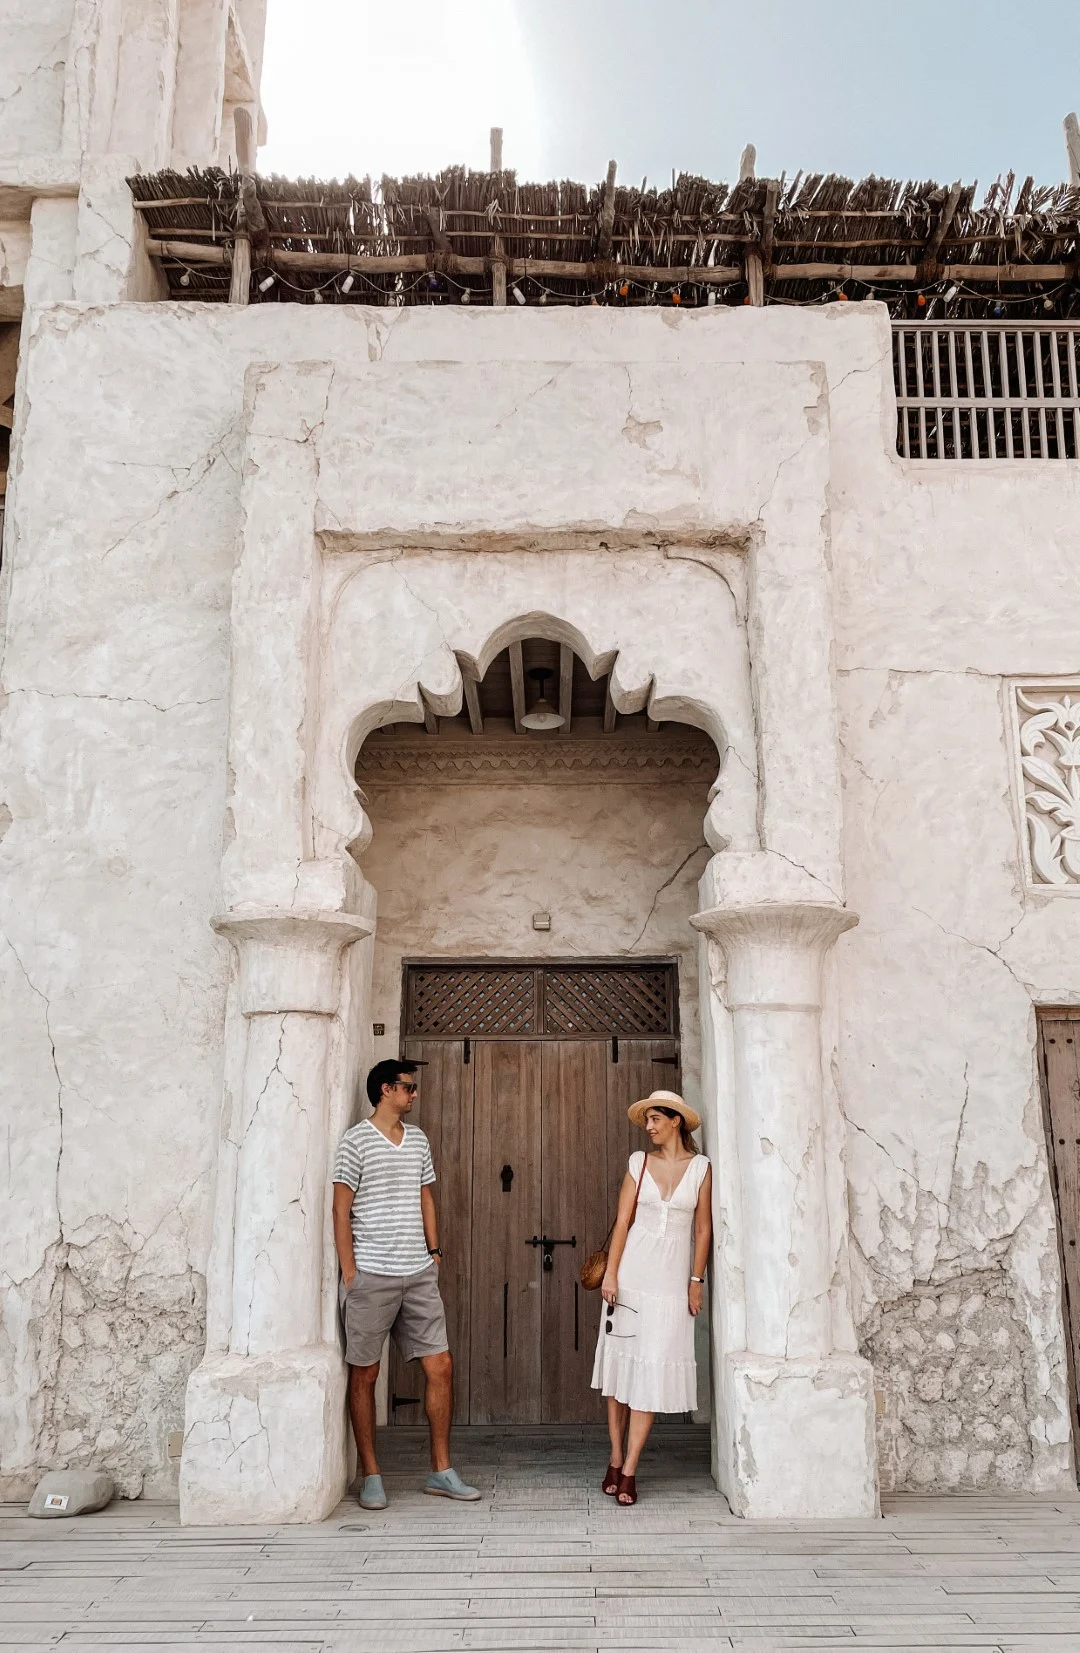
(387,1239)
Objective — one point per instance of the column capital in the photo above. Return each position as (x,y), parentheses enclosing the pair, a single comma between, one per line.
(290,958)
(774,950)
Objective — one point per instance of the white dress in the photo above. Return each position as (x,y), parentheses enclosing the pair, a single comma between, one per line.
(645,1351)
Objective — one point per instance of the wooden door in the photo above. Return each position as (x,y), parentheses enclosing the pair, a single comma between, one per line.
(575,1207)
(444,1110)
(1060,1040)
(505,1324)
(586,1142)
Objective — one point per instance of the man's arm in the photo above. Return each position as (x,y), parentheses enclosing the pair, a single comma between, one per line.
(343,1200)
(431,1221)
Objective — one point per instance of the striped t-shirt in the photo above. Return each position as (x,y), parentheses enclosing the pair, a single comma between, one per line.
(387,1224)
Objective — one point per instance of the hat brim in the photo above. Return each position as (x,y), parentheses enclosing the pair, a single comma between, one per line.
(637,1110)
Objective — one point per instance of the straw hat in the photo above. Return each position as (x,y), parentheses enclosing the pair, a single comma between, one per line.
(663,1099)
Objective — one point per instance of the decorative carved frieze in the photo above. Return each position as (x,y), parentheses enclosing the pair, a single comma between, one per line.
(1048,735)
(686,756)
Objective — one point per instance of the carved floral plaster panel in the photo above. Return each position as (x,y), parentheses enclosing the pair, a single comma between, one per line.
(1047,733)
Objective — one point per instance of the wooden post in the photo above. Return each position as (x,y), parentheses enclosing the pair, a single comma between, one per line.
(1072,147)
(240,279)
(496,148)
(747,163)
(607,215)
(244,133)
(498,272)
(755,276)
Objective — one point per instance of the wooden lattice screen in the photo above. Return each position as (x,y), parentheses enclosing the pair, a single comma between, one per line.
(563,1001)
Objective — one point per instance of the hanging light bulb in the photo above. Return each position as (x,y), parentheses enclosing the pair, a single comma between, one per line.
(267,282)
(543,296)
(543,714)
(1048,304)
(185,279)
(466,296)
(711,300)
(951,292)
(519,296)
(349,283)
(316,297)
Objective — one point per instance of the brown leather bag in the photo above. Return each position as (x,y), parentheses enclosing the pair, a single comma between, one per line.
(594,1268)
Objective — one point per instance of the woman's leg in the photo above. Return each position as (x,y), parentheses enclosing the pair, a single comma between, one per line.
(617,1415)
(640,1424)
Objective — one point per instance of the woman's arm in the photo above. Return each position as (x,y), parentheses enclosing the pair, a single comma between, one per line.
(702,1240)
(618,1238)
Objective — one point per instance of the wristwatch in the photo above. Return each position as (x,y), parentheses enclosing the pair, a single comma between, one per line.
(434,1251)
(697,1279)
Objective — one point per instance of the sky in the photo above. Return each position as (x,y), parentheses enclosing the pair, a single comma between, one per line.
(958,89)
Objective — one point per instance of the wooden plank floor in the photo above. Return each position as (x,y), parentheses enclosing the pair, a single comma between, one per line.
(545,1561)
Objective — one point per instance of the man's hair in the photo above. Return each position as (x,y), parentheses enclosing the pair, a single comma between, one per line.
(386,1073)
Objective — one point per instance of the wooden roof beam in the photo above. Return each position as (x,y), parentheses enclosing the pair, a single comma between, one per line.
(517,686)
(566,684)
(609,708)
(472,703)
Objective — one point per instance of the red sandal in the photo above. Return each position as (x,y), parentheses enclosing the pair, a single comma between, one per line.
(627,1493)
(610,1484)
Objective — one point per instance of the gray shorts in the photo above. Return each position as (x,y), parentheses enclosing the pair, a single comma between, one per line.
(408,1306)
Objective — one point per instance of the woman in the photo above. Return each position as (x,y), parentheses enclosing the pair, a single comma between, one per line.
(653,1285)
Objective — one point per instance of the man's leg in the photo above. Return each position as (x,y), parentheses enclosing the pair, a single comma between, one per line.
(362,1380)
(439,1405)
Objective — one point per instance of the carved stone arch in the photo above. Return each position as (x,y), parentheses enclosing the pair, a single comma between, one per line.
(704,684)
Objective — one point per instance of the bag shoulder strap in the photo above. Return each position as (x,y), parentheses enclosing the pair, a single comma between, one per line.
(633,1213)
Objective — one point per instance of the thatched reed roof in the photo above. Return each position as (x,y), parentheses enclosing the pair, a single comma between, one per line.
(434,240)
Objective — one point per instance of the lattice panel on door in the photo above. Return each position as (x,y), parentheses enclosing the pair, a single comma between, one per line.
(603,1001)
(474,1003)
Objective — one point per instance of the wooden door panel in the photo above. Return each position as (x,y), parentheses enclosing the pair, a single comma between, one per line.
(643,1066)
(1060,1037)
(443,1110)
(506,1297)
(574,1207)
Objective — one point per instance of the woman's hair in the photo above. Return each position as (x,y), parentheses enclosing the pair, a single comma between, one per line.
(684,1130)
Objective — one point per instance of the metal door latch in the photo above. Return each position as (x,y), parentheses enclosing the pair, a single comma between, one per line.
(548,1245)
(507,1175)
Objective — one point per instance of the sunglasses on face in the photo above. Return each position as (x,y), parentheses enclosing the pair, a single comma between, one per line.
(407,1086)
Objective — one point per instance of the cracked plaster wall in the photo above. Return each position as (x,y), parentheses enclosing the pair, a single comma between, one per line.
(115,602)
(948,579)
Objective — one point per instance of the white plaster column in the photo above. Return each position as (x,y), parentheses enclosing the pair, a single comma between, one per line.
(264,1430)
(799,1411)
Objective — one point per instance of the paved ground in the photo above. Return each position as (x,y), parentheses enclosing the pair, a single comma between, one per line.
(547,1562)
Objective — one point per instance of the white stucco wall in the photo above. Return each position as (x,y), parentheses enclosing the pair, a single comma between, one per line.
(32,68)
(961,579)
(116,590)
